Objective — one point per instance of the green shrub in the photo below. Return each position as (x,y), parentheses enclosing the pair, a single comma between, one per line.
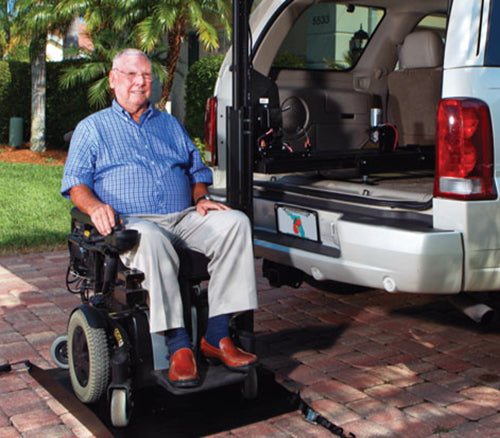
(65,108)
(200,85)
(5,83)
(15,101)
(5,78)
(287,60)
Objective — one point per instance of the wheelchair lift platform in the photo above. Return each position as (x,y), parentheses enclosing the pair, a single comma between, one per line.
(211,377)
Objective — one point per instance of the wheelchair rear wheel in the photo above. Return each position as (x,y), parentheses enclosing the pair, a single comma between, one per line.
(88,357)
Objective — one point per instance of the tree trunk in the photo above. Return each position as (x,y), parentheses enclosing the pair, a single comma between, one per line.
(70,41)
(38,93)
(175,38)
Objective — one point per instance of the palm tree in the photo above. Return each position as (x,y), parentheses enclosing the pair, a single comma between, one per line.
(13,45)
(145,24)
(35,19)
(172,18)
(97,64)
(6,18)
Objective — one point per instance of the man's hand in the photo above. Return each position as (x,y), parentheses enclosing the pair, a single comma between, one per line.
(205,205)
(103,217)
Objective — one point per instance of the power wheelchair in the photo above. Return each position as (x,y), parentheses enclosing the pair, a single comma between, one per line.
(108,348)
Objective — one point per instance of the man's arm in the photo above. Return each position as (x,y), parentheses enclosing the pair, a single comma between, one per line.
(204,205)
(102,215)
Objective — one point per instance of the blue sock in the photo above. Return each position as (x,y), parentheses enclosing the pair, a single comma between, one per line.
(176,339)
(218,328)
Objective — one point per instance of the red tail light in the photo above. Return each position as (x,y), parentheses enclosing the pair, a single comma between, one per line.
(211,131)
(464,150)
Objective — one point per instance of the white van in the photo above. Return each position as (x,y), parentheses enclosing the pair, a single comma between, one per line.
(376,142)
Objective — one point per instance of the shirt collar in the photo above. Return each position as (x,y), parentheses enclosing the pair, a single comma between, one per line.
(117,107)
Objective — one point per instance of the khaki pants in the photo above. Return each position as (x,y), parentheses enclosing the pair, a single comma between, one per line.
(223,236)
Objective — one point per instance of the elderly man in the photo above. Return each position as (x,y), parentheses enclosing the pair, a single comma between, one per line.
(136,161)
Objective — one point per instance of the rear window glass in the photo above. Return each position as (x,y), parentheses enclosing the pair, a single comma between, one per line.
(492,55)
(436,23)
(328,36)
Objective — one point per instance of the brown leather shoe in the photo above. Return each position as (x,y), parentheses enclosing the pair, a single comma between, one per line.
(231,356)
(183,372)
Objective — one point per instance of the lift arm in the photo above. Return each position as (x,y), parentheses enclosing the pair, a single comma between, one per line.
(239,117)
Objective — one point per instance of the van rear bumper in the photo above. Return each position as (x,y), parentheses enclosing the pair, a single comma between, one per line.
(397,260)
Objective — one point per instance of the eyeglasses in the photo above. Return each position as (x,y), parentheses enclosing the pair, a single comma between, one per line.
(131,75)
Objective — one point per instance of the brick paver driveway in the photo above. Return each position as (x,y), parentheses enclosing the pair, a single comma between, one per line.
(378,365)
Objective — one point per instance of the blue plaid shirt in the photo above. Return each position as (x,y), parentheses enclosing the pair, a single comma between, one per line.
(145,168)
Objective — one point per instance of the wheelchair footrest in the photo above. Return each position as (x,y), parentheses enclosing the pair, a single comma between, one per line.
(211,377)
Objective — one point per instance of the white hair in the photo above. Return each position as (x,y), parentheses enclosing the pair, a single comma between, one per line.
(128,52)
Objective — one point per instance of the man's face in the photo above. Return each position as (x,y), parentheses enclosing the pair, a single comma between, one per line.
(131,81)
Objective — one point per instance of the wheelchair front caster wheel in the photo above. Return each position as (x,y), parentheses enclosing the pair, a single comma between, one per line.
(250,386)
(120,408)
(59,352)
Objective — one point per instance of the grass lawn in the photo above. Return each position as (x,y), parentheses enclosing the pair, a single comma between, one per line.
(33,215)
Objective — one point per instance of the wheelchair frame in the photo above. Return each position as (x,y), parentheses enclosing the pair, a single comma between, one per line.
(110,351)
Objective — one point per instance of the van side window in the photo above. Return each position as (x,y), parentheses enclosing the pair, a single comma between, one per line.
(492,54)
(436,23)
(335,37)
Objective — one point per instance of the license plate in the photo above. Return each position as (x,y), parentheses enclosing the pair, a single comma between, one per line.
(297,222)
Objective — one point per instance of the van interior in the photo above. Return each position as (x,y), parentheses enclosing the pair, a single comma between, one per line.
(347,98)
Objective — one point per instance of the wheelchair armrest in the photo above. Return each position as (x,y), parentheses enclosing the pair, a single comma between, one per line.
(120,239)
(80,216)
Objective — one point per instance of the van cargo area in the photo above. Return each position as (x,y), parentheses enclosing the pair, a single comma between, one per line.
(408,190)
(373,131)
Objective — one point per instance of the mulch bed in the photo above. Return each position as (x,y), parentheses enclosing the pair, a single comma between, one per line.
(22,154)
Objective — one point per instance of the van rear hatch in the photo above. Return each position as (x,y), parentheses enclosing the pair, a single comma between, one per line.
(371,241)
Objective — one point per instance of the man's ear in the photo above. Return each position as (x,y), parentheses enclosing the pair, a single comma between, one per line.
(112,79)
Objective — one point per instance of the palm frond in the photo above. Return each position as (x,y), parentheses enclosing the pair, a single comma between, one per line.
(84,73)
(207,34)
(150,31)
(195,13)
(159,69)
(69,9)
(166,13)
(98,93)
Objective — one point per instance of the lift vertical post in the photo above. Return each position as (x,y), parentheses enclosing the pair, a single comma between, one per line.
(239,119)
(239,179)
